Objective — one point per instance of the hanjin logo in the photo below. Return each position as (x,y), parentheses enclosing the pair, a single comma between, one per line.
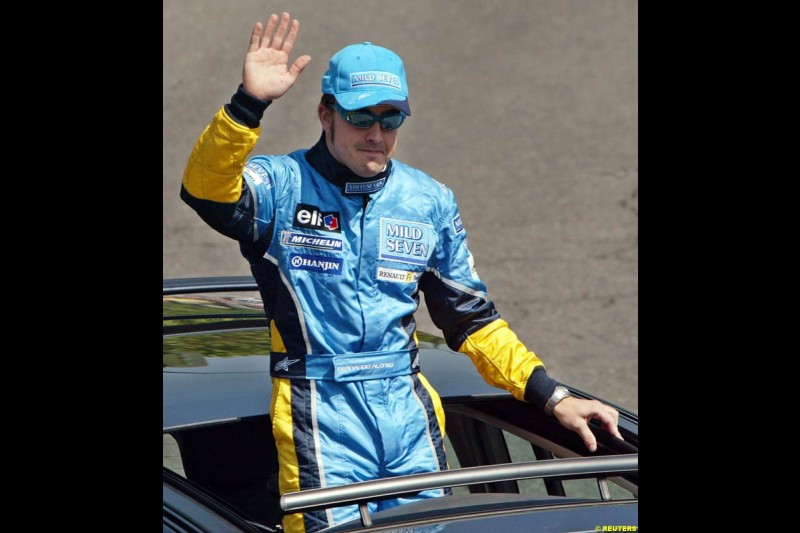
(315,263)
(310,216)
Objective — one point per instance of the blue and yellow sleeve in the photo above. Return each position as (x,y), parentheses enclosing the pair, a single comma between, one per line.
(504,361)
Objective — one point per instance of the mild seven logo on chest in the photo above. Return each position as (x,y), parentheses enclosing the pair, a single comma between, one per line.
(310,216)
(406,241)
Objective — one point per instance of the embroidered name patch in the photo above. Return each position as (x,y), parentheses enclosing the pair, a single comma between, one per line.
(406,241)
(257,174)
(292,238)
(315,263)
(364,188)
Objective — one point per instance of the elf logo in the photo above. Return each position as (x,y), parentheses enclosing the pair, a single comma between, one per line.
(310,216)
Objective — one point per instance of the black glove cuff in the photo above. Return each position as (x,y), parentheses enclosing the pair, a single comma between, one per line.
(246,109)
(540,387)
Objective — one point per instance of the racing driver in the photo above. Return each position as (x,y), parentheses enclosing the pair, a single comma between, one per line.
(342,238)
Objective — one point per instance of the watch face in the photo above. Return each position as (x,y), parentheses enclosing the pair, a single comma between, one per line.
(559,394)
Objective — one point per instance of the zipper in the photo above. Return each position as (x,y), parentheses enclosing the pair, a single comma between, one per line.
(358,274)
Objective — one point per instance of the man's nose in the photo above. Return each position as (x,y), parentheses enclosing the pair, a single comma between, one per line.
(374,133)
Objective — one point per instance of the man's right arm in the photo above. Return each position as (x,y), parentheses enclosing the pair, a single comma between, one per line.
(212,181)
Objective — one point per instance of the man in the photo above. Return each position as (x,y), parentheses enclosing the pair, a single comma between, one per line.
(342,238)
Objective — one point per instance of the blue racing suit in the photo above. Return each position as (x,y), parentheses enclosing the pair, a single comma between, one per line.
(340,261)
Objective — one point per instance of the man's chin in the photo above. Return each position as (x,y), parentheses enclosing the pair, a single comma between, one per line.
(370,170)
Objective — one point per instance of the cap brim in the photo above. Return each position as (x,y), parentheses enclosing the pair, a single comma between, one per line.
(361,99)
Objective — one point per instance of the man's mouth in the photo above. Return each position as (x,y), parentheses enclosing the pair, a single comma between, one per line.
(371,150)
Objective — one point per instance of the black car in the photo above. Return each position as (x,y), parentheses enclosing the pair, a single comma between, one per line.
(511,466)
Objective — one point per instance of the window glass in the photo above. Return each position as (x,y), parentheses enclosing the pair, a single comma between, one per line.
(171,455)
(521,452)
(452,463)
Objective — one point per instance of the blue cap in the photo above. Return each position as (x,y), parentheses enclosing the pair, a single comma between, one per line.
(364,75)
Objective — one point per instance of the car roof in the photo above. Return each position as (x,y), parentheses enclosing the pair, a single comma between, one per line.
(216,395)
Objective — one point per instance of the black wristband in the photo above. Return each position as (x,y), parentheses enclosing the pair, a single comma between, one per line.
(540,387)
(246,109)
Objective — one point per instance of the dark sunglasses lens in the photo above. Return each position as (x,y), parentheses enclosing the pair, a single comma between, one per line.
(360,120)
(392,121)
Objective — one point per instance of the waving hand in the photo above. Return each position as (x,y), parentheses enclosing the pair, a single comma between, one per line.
(266,73)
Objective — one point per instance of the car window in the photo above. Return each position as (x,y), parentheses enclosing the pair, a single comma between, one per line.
(172,455)
(522,451)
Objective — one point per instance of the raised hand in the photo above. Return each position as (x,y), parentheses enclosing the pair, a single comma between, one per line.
(266,73)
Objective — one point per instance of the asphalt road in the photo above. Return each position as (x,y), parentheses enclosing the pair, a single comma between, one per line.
(527,109)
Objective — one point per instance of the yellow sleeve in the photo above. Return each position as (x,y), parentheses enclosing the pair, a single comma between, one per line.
(214,170)
(501,358)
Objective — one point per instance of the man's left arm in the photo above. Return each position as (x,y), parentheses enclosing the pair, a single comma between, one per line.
(459,305)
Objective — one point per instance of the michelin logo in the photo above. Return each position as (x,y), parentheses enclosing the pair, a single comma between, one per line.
(291,238)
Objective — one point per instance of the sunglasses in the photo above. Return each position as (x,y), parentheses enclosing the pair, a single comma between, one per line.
(361,118)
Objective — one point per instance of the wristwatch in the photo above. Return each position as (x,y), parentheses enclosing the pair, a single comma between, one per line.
(559,394)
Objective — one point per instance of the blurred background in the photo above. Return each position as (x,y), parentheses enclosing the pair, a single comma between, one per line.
(526,109)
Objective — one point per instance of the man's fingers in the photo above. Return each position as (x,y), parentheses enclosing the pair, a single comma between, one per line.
(614,430)
(267,33)
(255,37)
(288,44)
(609,418)
(588,437)
(277,39)
(299,64)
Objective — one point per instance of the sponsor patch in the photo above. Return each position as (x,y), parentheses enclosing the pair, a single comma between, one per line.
(397,276)
(472,270)
(257,174)
(406,241)
(312,217)
(315,263)
(364,188)
(293,238)
(375,77)
(457,225)
(284,364)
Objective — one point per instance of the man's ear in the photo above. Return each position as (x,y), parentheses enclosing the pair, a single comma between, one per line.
(325,117)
